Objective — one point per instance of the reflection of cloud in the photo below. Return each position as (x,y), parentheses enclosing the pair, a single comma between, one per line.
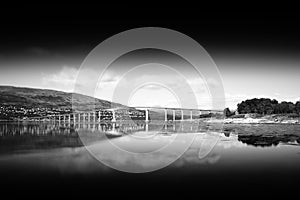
(190,157)
(141,155)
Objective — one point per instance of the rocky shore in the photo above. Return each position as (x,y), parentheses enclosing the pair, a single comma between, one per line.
(259,121)
(267,119)
(255,119)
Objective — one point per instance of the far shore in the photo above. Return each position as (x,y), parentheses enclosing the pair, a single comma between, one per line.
(254,119)
(259,121)
(211,120)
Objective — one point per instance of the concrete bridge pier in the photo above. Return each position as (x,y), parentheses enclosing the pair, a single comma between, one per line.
(99,115)
(181,115)
(166,115)
(83,117)
(147,115)
(174,116)
(113,116)
(94,117)
(191,112)
(89,117)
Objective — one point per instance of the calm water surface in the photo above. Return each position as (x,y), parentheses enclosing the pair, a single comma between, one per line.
(235,154)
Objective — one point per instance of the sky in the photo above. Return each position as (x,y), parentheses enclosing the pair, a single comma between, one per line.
(257,56)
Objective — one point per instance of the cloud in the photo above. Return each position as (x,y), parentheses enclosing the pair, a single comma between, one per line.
(63,80)
(39,51)
(71,79)
(188,87)
(108,77)
(233,99)
(106,85)
(198,86)
(277,94)
(152,87)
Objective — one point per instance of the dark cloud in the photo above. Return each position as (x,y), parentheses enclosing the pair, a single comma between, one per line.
(38,51)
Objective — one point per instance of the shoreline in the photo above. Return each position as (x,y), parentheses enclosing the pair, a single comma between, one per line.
(259,121)
(229,120)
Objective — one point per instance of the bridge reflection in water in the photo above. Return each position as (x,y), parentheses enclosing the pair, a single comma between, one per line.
(51,134)
(127,128)
(41,135)
(45,128)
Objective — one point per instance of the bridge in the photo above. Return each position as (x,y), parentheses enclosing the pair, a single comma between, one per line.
(96,116)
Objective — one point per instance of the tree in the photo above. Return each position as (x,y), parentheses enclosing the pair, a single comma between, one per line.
(291,108)
(286,107)
(227,112)
(267,106)
(297,107)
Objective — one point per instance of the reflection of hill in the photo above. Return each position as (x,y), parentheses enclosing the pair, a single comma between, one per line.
(264,141)
(17,137)
(28,142)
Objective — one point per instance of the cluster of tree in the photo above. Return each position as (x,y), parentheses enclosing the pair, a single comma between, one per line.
(267,106)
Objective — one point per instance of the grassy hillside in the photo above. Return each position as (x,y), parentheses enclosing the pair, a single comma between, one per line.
(41,98)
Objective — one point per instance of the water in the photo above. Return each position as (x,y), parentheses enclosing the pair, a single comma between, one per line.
(233,155)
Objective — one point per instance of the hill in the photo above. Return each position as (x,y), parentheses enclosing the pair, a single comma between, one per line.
(30,97)
(19,101)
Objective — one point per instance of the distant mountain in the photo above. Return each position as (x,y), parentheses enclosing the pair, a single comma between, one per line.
(44,98)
